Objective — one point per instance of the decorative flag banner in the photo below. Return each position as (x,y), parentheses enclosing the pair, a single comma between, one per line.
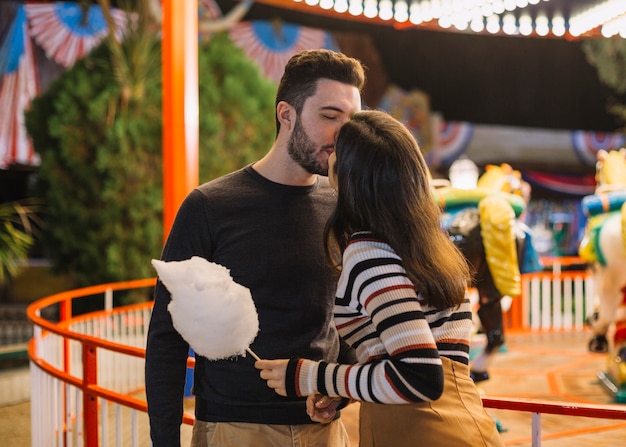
(208,9)
(66,32)
(452,141)
(580,185)
(18,85)
(442,141)
(271,44)
(586,144)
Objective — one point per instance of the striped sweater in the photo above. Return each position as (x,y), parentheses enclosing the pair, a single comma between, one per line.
(398,341)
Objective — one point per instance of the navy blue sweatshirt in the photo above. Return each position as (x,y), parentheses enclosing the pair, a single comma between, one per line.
(270,238)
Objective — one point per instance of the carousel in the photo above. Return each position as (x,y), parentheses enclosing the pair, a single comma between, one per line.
(489,216)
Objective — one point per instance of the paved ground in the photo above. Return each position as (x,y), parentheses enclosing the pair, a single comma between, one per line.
(15,425)
(553,367)
(549,366)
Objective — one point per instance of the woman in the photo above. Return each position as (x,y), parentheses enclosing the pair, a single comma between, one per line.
(401,300)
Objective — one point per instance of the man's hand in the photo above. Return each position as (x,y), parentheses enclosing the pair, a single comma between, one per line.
(322,408)
(319,408)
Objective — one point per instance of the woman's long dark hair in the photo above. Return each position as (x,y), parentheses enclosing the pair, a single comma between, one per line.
(384,187)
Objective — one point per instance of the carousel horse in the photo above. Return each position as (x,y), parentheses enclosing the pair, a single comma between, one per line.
(483,222)
(604,248)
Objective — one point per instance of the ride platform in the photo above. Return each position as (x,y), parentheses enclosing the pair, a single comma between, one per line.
(546,366)
(612,386)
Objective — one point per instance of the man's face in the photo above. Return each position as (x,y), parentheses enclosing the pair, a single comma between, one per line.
(313,137)
(332,172)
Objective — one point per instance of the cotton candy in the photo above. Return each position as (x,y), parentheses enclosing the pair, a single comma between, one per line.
(212,313)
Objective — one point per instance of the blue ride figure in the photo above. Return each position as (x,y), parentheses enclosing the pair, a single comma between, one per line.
(604,249)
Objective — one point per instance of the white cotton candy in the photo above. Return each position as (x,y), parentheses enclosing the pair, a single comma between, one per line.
(213,313)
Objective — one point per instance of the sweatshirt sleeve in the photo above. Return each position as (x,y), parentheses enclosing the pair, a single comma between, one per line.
(410,369)
(166,351)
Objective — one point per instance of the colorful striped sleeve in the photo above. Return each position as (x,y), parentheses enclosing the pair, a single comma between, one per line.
(384,320)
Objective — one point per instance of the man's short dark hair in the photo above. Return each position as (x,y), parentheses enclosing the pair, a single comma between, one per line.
(303,70)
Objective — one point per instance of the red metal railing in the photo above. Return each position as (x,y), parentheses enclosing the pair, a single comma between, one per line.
(71,382)
(57,348)
(537,408)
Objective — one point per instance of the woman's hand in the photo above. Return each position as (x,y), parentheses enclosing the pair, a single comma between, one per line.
(322,408)
(273,372)
(319,408)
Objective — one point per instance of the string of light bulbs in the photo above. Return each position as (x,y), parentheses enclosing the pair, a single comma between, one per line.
(511,17)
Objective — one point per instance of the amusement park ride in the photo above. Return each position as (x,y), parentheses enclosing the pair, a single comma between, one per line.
(604,247)
(482,218)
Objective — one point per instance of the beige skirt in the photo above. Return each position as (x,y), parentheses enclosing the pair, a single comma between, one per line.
(456,419)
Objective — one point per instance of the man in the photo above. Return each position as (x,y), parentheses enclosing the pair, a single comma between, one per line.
(265,224)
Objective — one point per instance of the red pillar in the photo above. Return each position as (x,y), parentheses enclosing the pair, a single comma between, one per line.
(180,104)
(90,399)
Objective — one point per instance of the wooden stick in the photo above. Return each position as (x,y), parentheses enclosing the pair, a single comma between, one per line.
(249,351)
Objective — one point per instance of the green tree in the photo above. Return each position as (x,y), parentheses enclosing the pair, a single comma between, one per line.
(236,108)
(608,56)
(100,147)
(18,225)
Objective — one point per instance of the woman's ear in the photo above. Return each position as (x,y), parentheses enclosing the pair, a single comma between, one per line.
(286,115)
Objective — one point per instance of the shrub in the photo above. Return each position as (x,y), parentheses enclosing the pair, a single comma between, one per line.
(100,148)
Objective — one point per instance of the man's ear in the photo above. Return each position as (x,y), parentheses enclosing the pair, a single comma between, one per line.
(286,115)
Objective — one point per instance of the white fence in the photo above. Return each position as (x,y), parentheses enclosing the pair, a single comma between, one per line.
(554,301)
(87,372)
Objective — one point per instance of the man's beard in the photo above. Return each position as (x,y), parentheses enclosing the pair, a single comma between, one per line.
(302,150)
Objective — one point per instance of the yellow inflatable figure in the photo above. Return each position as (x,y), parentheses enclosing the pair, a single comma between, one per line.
(497,219)
(481,219)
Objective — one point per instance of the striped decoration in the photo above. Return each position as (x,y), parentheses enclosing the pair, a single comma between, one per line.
(586,144)
(209,9)
(66,33)
(271,44)
(18,85)
(453,139)
(578,185)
